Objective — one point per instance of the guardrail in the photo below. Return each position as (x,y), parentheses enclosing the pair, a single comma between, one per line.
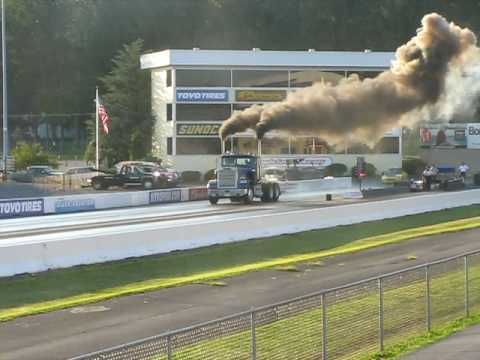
(347,322)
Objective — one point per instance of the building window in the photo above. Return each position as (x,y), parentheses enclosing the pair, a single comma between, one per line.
(241,107)
(306,78)
(260,78)
(198,146)
(169,112)
(203,112)
(169,146)
(388,145)
(275,146)
(363,74)
(203,78)
(309,145)
(169,78)
(244,145)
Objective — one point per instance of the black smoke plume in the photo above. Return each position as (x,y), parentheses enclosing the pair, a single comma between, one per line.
(356,109)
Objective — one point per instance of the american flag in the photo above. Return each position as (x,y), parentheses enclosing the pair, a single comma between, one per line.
(102,113)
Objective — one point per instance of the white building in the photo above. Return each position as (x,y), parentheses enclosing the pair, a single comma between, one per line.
(193,91)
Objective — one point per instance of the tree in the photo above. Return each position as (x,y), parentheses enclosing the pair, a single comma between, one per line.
(27,154)
(127,100)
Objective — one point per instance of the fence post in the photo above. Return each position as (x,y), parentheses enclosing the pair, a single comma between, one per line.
(381,314)
(169,347)
(254,336)
(324,328)
(467,295)
(428,300)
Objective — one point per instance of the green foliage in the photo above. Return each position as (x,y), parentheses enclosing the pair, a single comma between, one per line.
(413,166)
(89,33)
(370,170)
(336,169)
(127,101)
(31,154)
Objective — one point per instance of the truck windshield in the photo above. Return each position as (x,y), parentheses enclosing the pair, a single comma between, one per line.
(232,161)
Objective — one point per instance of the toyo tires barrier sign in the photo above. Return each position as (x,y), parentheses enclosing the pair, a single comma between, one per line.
(165,196)
(28,207)
(199,193)
(74,205)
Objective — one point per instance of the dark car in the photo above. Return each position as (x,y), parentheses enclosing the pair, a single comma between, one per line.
(33,172)
(137,175)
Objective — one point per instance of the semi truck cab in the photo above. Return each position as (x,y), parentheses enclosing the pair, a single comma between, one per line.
(239,178)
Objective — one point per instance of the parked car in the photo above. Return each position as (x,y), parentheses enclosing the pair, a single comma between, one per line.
(33,172)
(394,176)
(446,178)
(276,173)
(136,175)
(81,176)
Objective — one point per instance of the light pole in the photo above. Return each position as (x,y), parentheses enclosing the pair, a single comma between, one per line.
(5,110)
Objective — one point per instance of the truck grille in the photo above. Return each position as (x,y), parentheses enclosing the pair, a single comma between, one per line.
(226,178)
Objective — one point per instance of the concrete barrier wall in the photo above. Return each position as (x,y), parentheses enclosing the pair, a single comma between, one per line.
(337,184)
(97,201)
(106,244)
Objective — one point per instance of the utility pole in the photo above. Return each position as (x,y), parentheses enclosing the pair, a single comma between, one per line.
(5,110)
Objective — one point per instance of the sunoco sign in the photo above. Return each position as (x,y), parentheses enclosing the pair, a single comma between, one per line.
(198,129)
(473,136)
(12,208)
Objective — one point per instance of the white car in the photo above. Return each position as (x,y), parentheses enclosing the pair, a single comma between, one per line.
(81,176)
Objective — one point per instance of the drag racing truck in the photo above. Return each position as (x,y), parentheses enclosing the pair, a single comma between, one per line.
(239,178)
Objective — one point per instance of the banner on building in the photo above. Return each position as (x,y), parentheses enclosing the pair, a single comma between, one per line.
(452,135)
(299,161)
(198,129)
(260,95)
(199,95)
(12,208)
(473,136)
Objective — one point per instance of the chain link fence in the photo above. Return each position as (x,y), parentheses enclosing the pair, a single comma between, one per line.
(349,322)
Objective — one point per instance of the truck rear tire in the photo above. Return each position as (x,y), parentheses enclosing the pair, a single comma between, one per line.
(213,200)
(268,194)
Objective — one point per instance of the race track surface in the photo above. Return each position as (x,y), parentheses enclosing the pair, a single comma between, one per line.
(71,332)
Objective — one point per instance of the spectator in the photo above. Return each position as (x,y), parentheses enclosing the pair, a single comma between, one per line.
(427,178)
(462,169)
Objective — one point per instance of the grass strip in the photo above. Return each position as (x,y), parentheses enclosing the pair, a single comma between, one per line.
(416,343)
(38,293)
(294,331)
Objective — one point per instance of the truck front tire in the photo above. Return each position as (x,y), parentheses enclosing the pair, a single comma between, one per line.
(250,195)
(213,200)
(276,192)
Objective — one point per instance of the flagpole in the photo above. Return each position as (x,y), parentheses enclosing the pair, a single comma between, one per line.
(97,137)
